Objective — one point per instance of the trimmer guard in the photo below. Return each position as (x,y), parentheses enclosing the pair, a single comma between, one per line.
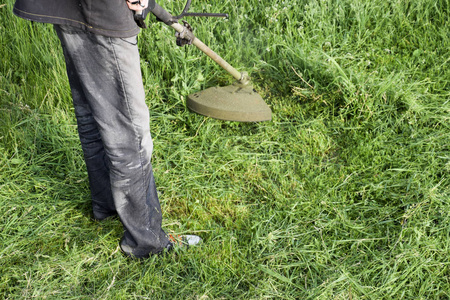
(235,102)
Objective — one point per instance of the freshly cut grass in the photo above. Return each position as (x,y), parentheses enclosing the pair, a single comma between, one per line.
(343,195)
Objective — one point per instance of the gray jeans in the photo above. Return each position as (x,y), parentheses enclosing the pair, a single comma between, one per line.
(113,125)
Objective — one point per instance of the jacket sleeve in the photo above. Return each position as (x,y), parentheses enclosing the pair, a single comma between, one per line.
(105,17)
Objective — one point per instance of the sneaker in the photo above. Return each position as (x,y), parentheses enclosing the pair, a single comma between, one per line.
(184,240)
(175,241)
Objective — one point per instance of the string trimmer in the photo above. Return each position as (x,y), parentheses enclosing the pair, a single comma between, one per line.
(236,102)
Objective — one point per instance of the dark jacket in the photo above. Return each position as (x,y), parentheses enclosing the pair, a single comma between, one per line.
(105,17)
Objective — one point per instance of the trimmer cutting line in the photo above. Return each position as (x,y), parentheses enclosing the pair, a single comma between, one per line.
(236,102)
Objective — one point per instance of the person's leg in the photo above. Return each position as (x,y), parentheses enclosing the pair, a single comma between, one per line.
(109,101)
(97,163)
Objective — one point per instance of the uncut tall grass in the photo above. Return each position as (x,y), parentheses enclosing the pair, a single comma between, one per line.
(343,195)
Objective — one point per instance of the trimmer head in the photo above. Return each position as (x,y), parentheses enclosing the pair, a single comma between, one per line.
(236,102)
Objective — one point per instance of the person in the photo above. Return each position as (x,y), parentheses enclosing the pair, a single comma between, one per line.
(99,42)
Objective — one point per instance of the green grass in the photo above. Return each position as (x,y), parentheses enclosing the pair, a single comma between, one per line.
(343,195)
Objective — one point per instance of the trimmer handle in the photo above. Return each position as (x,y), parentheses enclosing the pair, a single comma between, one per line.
(163,16)
(186,14)
(140,16)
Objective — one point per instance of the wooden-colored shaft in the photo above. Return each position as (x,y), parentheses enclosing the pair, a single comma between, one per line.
(214,56)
